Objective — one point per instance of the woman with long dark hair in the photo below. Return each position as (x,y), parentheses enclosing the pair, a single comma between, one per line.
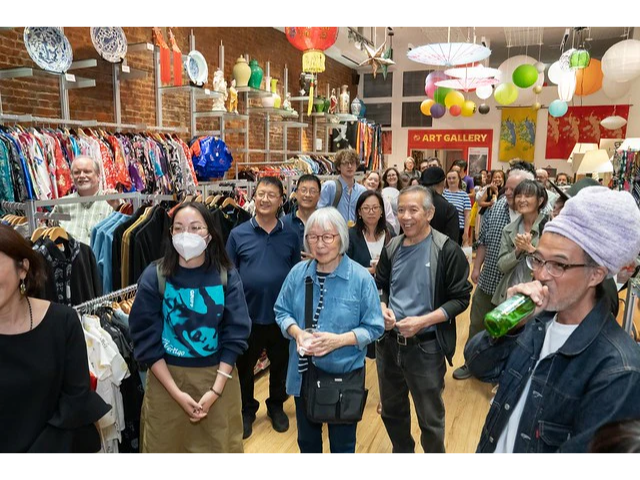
(45,389)
(189,323)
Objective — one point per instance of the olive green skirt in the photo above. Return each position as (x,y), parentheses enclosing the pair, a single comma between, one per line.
(165,427)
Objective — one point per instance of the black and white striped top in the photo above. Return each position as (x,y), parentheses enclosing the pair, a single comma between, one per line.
(303,361)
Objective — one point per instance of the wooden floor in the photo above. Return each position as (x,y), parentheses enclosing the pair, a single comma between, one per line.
(466,405)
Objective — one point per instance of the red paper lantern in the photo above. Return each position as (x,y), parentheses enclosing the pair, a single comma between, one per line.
(312,41)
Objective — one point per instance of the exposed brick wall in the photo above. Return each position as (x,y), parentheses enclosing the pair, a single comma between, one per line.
(40,96)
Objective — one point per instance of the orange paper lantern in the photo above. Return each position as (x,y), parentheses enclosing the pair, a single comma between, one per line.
(589,80)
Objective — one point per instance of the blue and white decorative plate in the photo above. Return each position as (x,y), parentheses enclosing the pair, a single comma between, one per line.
(110,43)
(197,68)
(49,48)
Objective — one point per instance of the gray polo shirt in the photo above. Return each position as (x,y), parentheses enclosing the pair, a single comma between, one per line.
(411,292)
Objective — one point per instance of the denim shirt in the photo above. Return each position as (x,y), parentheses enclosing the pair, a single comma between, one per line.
(351,304)
(593,379)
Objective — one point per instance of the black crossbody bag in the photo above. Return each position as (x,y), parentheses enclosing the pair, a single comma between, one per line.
(331,397)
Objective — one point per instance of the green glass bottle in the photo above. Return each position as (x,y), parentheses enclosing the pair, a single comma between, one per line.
(508,314)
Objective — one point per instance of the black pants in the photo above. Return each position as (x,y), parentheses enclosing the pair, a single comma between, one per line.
(461,236)
(269,337)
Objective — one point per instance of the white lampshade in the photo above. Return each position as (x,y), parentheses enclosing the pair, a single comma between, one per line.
(630,144)
(554,72)
(595,161)
(621,62)
(567,85)
(613,122)
(579,149)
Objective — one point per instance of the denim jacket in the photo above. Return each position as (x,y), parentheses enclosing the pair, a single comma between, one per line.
(593,379)
(351,304)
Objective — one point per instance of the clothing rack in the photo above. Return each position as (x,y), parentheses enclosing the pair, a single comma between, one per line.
(87,307)
(209,188)
(633,292)
(24,208)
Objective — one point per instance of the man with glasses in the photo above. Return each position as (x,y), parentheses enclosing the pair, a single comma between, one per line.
(307,196)
(343,193)
(423,278)
(568,368)
(264,251)
(487,279)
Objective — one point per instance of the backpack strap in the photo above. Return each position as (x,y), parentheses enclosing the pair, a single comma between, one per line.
(162,280)
(338,196)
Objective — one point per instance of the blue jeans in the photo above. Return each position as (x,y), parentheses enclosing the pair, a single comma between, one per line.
(419,369)
(342,438)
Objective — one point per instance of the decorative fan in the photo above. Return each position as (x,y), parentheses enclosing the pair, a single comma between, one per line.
(467,84)
(477,71)
(449,54)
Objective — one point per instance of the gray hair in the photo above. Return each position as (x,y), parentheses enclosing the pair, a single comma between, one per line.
(96,165)
(522,174)
(427,201)
(326,218)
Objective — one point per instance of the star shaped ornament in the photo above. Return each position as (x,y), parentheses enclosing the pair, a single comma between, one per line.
(376,59)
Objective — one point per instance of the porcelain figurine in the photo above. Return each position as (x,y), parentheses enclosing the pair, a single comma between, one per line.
(233,98)
(333,105)
(220,86)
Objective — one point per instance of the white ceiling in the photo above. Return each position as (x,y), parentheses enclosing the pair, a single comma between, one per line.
(542,43)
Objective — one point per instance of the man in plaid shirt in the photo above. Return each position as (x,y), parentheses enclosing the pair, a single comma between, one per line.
(493,222)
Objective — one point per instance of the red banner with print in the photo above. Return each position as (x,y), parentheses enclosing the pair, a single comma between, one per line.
(581,125)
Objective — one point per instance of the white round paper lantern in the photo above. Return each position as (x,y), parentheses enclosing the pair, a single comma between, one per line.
(567,85)
(484,92)
(613,123)
(540,67)
(555,72)
(621,62)
(613,89)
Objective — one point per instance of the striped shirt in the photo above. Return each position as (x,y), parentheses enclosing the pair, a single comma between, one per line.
(303,361)
(461,201)
(493,223)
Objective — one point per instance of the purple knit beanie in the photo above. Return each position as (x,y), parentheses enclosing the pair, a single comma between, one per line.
(604,223)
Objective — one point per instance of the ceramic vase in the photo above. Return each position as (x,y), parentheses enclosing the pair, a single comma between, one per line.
(277,102)
(343,102)
(241,72)
(356,106)
(256,74)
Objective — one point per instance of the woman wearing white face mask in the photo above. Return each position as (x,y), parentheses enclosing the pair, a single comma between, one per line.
(189,323)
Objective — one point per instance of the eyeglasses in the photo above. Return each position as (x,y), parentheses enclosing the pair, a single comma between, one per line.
(308,191)
(348,164)
(368,209)
(327,238)
(197,229)
(269,195)
(555,269)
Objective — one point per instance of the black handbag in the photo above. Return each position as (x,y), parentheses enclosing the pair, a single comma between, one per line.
(331,397)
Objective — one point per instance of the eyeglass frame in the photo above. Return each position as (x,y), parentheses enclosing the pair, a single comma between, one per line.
(189,229)
(372,209)
(530,258)
(318,237)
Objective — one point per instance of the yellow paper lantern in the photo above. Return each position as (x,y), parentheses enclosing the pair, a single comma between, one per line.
(589,80)
(506,93)
(454,98)
(468,108)
(425,107)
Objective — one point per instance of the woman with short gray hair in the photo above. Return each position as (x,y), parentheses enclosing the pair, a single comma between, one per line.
(346,317)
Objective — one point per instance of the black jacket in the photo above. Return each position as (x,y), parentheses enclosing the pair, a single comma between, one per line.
(452,289)
(358,250)
(445,218)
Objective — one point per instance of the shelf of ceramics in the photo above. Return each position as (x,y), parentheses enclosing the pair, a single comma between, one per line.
(273,111)
(200,92)
(288,124)
(71,80)
(224,115)
(344,117)
(254,92)
(88,63)
(300,99)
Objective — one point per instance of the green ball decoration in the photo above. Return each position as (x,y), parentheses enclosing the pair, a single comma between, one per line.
(525,76)
(506,93)
(580,59)
(440,94)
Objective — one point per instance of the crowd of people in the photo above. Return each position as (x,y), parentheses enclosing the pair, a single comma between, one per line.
(353,271)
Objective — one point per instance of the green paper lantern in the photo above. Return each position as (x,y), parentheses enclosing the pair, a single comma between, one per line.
(506,93)
(525,76)
(579,59)
(440,94)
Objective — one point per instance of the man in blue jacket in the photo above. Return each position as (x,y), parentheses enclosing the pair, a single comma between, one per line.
(571,368)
